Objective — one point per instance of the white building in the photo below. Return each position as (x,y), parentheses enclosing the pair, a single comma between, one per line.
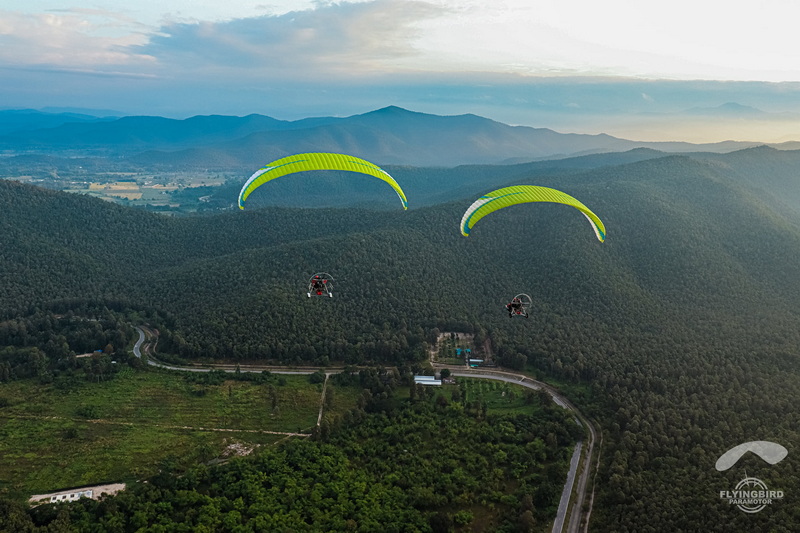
(72,495)
(427,380)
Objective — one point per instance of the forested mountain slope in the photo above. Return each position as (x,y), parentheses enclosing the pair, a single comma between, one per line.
(683,324)
(774,173)
(424,186)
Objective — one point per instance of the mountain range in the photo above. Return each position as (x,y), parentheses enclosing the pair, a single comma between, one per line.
(678,334)
(387,136)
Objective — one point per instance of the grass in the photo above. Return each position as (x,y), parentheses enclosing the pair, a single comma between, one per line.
(71,434)
(500,397)
(580,394)
(45,455)
(168,399)
(345,398)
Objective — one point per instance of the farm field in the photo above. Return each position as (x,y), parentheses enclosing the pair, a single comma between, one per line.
(174,190)
(498,397)
(143,190)
(56,436)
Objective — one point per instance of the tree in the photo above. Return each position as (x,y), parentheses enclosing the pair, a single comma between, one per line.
(317,377)
(441,522)
(455,396)
(329,398)
(527,524)
(462,518)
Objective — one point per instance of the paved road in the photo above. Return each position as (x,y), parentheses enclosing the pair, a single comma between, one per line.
(563,506)
(590,468)
(573,526)
(143,338)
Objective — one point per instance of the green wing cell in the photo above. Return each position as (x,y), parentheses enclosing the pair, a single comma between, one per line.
(519,194)
(316,161)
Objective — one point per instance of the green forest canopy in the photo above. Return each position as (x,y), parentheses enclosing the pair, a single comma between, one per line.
(684,324)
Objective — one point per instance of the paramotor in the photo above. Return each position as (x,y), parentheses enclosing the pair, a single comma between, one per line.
(320,284)
(316,161)
(518,194)
(519,305)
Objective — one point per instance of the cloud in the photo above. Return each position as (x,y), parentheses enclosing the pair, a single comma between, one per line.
(331,40)
(519,61)
(328,43)
(88,40)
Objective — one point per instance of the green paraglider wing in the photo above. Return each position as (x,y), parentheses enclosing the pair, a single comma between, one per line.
(519,194)
(316,161)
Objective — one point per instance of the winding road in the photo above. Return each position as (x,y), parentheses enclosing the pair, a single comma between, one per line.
(578,459)
(582,458)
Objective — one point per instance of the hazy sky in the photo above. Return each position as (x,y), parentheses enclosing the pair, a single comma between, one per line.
(649,70)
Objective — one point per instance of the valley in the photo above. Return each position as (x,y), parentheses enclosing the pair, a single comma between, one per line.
(676,338)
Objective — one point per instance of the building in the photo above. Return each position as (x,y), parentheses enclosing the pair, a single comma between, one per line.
(427,380)
(72,495)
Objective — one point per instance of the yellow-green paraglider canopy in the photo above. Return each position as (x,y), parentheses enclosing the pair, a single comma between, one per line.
(316,161)
(518,194)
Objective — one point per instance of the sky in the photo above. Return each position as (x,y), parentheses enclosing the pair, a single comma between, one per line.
(700,70)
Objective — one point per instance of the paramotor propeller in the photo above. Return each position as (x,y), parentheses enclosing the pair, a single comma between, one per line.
(320,284)
(519,305)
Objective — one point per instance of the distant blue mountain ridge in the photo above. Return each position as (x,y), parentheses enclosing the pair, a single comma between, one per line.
(391,135)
